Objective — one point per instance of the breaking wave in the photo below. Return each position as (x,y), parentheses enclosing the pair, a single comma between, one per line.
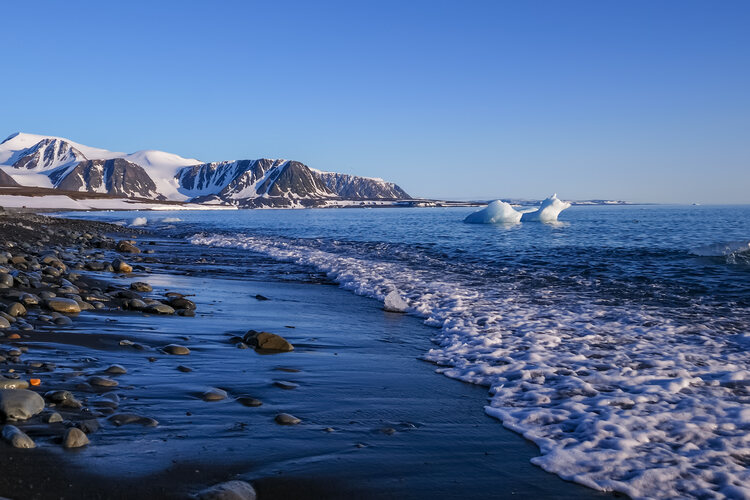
(617,397)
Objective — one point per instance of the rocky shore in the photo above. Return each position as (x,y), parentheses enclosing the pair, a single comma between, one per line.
(46,267)
(136,365)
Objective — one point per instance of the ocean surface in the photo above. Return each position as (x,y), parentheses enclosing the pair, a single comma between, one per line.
(615,339)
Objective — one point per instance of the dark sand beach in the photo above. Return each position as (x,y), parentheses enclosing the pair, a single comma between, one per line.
(374,420)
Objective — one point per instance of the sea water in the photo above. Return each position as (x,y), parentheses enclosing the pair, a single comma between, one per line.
(616,338)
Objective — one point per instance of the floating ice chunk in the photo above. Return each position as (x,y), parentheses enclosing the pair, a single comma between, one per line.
(394,303)
(497,212)
(548,211)
(167,220)
(139,221)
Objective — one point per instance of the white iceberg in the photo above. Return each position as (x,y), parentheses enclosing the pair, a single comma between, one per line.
(499,212)
(394,303)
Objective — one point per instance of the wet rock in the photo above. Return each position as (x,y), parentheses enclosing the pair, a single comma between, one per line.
(120,266)
(241,345)
(98,381)
(4,323)
(268,342)
(16,309)
(140,286)
(136,304)
(249,401)
(231,490)
(283,384)
(182,303)
(176,349)
(6,383)
(29,299)
(286,419)
(188,313)
(62,398)
(160,308)
(6,280)
(20,404)
(261,297)
(89,425)
(131,418)
(61,305)
(75,438)
(63,321)
(17,438)
(51,417)
(116,370)
(184,369)
(124,246)
(214,395)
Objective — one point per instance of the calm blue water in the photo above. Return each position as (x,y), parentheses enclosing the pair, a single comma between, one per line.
(615,339)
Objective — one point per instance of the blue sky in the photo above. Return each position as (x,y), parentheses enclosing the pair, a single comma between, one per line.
(636,100)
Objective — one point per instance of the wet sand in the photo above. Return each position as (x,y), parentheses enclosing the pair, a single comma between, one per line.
(376,422)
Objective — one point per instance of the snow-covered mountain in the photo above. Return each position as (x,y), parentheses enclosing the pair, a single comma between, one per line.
(55,162)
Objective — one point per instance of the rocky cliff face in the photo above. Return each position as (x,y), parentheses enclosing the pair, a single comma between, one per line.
(115,177)
(48,154)
(7,181)
(352,187)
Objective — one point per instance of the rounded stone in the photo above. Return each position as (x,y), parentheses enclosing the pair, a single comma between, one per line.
(214,395)
(17,438)
(16,309)
(178,350)
(286,419)
(231,490)
(75,438)
(20,404)
(61,305)
(117,370)
(102,381)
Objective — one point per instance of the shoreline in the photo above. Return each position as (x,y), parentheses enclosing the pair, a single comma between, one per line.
(353,370)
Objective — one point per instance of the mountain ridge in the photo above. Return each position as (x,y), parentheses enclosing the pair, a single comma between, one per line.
(56,162)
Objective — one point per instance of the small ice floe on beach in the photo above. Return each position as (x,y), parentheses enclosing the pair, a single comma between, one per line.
(499,212)
(394,303)
(139,221)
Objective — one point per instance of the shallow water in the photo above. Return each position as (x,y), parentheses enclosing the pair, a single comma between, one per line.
(616,339)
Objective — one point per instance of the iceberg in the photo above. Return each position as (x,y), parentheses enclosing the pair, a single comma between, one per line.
(499,212)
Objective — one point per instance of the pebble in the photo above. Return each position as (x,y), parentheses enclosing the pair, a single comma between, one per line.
(17,438)
(58,304)
(160,308)
(184,369)
(286,419)
(120,266)
(20,404)
(231,490)
(51,417)
(176,349)
(214,395)
(16,309)
(116,370)
(140,286)
(249,401)
(131,418)
(268,342)
(102,381)
(75,438)
(283,384)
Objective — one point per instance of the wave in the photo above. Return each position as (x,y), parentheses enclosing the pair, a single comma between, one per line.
(499,212)
(734,252)
(617,398)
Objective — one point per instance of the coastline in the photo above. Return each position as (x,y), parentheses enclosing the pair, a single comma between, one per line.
(399,429)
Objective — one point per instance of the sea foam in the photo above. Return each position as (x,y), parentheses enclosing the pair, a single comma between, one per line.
(616,397)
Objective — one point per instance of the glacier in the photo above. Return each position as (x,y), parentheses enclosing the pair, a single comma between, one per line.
(499,212)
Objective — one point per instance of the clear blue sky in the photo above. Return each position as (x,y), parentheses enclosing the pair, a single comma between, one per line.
(637,100)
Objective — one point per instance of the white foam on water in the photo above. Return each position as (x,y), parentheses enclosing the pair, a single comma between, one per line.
(168,220)
(733,251)
(139,221)
(617,398)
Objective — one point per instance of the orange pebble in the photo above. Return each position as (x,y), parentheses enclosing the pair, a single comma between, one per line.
(35,381)
(14,336)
